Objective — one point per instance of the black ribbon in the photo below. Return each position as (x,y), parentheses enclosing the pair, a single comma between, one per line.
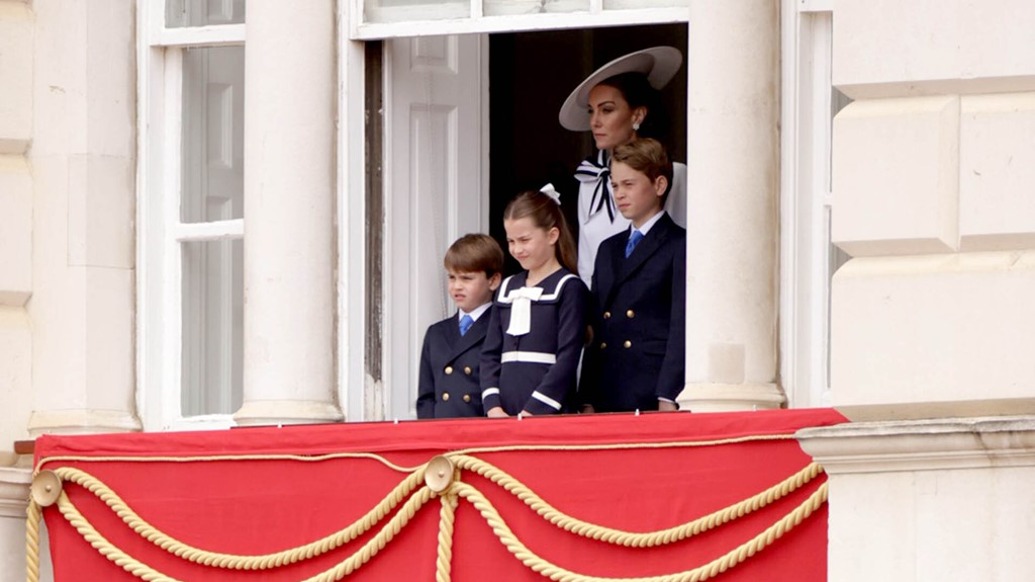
(598,169)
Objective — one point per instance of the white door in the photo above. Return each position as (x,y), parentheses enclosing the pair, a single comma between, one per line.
(436,189)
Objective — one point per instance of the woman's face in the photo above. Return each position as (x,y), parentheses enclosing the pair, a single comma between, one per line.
(531,245)
(610,117)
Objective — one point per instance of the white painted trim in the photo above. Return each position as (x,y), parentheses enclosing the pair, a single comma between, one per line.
(351,279)
(815,5)
(200,36)
(805,174)
(203,231)
(518,23)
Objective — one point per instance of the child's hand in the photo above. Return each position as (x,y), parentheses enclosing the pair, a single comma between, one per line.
(588,409)
(496,412)
(666,406)
(526,413)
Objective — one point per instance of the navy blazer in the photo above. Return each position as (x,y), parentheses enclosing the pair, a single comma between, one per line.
(639,328)
(449,370)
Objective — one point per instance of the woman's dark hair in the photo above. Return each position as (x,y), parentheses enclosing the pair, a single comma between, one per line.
(546,213)
(638,93)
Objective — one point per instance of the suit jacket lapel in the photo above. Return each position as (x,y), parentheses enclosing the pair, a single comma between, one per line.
(462,343)
(626,267)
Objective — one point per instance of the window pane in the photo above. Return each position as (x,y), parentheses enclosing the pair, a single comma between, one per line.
(406,10)
(634,4)
(213,318)
(504,7)
(180,13)
(212,179)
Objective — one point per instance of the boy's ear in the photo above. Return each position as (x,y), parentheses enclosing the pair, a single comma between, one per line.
(660,185)
(494,281)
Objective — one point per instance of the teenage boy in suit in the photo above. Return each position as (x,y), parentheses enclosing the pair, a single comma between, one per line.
(635,360)
(449,374)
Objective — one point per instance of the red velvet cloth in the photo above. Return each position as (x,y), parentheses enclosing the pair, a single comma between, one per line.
(259,506)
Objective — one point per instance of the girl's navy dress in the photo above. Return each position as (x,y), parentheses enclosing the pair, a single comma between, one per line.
(535,371)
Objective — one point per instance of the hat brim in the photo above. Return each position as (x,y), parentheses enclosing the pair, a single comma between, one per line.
(660,64)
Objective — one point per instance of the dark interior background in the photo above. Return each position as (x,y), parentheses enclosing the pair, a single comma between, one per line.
(531,74)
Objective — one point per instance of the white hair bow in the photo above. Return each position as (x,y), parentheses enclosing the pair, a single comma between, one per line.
(550,191)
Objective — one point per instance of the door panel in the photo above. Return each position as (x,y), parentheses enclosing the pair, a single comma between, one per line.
(435,190)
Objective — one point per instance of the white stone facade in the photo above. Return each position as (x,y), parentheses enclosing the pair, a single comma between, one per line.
(933,197)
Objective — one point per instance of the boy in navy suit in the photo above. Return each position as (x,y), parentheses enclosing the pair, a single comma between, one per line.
(449,373)
(635,360)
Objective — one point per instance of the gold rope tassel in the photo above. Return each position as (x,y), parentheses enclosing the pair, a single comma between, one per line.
(32,542)
(636,539)
(713,568)
(447,515)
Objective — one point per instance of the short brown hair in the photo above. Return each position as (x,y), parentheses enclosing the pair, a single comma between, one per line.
(647,156)
(472,253)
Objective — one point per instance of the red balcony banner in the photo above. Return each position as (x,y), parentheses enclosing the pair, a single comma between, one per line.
(661,496)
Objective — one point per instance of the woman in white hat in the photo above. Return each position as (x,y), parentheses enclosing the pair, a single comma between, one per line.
(618,103)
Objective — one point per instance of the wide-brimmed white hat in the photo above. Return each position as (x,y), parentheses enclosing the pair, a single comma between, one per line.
(659,64)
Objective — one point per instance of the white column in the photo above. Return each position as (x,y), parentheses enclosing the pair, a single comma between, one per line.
(289,189)
(733,178)
(83,164)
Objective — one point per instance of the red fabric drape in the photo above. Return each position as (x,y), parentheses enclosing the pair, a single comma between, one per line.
(240,505)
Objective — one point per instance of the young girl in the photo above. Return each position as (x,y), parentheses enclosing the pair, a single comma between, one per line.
(538,321)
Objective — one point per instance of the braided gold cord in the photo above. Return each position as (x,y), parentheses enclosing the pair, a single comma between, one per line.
(447,515)
(544,568)
(235,561)
(32,542)
(105,547)
(347,566)
(636,539)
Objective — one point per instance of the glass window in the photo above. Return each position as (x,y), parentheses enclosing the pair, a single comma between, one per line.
(213,323)
(180,13)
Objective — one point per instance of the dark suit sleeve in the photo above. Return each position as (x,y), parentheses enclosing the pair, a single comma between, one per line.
(672,375)
(571,333)
(426,381)
(490,361)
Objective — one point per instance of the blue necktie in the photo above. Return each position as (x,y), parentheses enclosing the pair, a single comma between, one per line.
(634,239)
(465,324)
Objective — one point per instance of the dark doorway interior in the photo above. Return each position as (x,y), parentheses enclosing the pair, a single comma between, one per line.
(531,74)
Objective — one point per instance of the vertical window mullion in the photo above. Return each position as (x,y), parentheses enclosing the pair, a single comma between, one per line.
(171,187)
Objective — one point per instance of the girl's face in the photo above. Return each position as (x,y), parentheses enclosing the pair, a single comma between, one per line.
(637,197)
(531,245)
(610,117)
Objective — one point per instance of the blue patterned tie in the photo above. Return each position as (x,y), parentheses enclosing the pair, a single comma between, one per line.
(634,239)
(465,324)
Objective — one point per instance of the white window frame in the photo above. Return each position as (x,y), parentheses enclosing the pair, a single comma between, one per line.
(160,233)
(805,273)
(626,13)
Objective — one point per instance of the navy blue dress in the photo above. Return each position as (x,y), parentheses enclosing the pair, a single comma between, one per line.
(535,371)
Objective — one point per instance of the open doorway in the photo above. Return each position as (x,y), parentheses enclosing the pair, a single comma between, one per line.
(530,76)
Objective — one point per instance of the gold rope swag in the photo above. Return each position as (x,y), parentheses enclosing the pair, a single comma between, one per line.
(447,486)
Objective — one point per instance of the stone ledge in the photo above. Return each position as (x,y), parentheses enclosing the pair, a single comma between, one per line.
(922,445)
(14,491)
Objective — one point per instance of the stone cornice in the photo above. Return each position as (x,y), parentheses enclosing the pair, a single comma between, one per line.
(918,445)
(14,491)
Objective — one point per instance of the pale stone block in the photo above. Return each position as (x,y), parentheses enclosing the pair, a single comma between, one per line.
(15,77)
(83,345)
(859,506)
(15,374)
(889,48)
(997,172)
(85,78)
(942,328)
(100,211)
(15,231)
(895,176)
